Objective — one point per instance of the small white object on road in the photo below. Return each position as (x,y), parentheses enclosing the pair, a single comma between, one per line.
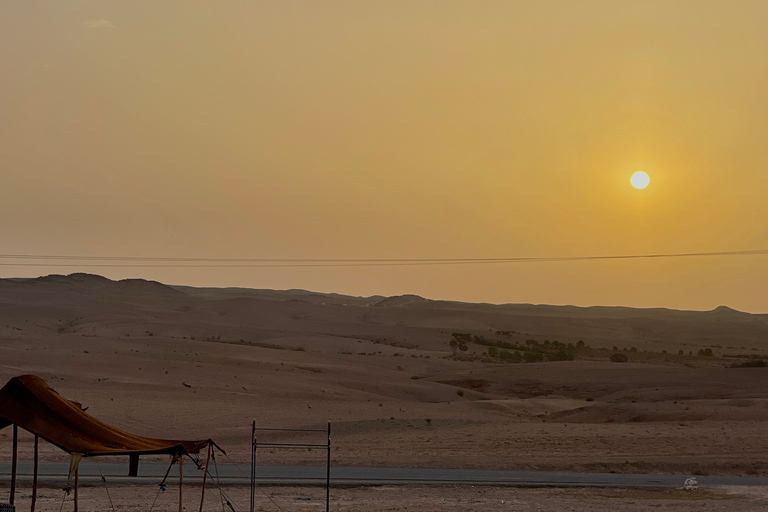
(691,484)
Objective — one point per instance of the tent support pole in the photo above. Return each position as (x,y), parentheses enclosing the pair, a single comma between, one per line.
(253,466)
(133,465)
(328,473)
(14,461)
(34,475)
(181,483)
(77,484)
(205,476)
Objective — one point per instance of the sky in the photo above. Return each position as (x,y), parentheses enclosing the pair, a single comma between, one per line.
(393,129)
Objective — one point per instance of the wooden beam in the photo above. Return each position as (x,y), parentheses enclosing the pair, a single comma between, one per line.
(77,484)
(14,461)
(205,476)
(34,476)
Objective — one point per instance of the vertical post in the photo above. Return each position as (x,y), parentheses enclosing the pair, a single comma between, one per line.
(77,484)
(133,464)
(205,476)
(181,483)
(328,473)
(14,461)
(253,466)
(34,475)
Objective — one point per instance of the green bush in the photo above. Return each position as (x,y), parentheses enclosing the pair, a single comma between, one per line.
(619,358)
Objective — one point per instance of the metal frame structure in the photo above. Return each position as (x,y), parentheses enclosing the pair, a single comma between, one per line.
(255,444)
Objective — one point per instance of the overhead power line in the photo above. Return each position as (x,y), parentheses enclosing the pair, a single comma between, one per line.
(47,260)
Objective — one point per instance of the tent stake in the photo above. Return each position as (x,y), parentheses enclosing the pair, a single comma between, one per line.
(34,476)
(14,461)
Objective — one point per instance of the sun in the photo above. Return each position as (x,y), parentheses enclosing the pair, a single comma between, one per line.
(640,180)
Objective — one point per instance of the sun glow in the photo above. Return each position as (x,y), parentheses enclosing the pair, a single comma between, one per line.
(640,180)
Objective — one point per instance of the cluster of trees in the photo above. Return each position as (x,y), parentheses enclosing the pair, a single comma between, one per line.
(531,352)
(459,342)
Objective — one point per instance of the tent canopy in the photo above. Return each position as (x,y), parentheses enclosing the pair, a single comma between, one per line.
(27,401)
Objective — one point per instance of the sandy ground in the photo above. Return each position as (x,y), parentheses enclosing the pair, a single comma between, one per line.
(421,498)
(165,363)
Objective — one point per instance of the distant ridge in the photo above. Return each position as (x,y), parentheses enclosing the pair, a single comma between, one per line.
(94,305)
(95,283)
(100,284)
(401,301)
(266,294)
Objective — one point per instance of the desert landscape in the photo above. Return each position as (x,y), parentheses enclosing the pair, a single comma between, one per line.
(510,254)
(182,362)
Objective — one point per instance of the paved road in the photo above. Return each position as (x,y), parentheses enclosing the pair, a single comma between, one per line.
(152,473)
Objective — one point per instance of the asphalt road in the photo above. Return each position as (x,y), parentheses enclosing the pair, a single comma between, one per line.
(152,473)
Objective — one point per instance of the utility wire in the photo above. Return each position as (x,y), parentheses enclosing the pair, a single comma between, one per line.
(34,260)
(362,260)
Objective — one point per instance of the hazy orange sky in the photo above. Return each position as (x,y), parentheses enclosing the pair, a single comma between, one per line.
(394,129)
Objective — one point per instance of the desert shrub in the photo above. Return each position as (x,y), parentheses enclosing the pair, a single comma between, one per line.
(752,363)
(619,358)
(560,355)
(533,357)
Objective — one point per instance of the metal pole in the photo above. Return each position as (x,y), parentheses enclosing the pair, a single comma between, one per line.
(181,483)
(253,466)
(34,477)
(328,473)
(14,461)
